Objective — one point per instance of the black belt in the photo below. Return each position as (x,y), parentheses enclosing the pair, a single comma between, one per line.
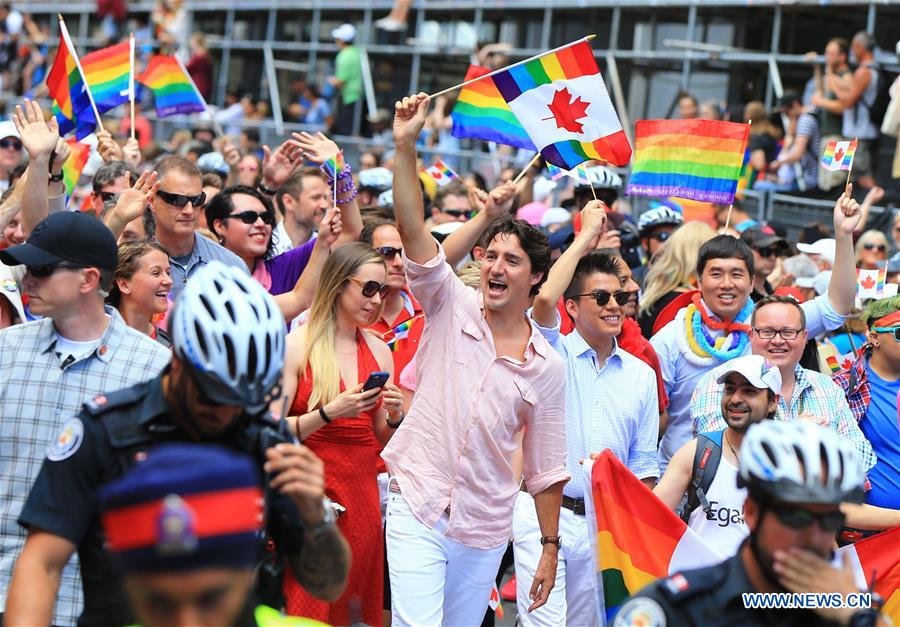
(394,487)
(576,505)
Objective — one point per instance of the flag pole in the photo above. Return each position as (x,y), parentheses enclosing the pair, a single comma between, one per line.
(216,126)
(131,81)
(590,182)
(526,168)
(852,159)
(87,88)
(508,67)
(743,148)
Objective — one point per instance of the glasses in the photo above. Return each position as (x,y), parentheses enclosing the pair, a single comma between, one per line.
(9,142)
(879,247)
(457,213)
(42,272)
(786,334)
(370,288)
(107,196)
(767,252)
(661,236)
(894,330)
(250,217)
(388,252)
(602,297)
(798,518)
(180,200)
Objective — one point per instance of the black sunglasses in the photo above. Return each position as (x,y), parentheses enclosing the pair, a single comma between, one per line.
(457,213)
(9,142)
(107,196)
(250,217)
(799,518)
(370,288)
(602,297)
(879,247)
(180,200)
(767,252)
(42,272)
(388,252)
(661,236)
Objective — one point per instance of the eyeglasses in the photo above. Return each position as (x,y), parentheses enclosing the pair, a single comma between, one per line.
(661,236)
(250,217)
(767,252)
(879,247)
(786,334)
(370,288)
(799,518)
(180,200)
(42,272)
(602,297)
(388,252)
(107,196)
(894,330)
(457,213)
(9,142)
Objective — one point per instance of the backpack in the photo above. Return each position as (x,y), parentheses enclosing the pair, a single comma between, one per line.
(879,106)
(706,462)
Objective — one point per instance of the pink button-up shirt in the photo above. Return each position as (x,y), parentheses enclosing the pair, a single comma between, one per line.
(456,444)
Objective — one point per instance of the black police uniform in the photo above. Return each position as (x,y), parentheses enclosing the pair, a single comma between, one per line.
(116,432)
(707,597)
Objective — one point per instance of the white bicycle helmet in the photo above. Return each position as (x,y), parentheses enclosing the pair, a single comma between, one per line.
(658,216)
(230,333)
(601,176)
(800,462)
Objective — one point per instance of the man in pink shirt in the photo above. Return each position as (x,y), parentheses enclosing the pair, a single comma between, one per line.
(485,374)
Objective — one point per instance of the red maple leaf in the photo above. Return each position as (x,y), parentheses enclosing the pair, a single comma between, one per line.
(568,113)
(845,365)
(838,155)
(868,282)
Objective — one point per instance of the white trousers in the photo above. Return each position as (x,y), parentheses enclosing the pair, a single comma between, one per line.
(573,600)
(435,580)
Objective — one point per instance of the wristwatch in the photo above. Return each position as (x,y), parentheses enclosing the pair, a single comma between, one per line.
(328,520)
(551,540)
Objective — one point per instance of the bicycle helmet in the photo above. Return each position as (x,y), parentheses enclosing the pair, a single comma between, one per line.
(229,332)
(601,177)
(800,462)
(658,216)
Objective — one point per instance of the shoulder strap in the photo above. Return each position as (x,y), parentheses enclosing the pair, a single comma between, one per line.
(706,462)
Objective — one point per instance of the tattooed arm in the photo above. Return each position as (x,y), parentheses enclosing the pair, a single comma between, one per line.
(323,564)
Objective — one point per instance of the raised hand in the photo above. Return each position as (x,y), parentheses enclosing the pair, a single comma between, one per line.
(108,148)
(131,153)
(38,137)
(61,154)
(500,200)
(409,117)
(317,148)
(230,154)
(278,166)
(134,199)
(846,213)
(593,221)
(330,227)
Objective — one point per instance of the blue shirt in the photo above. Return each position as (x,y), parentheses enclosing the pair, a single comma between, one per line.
(204,251)
(881,425)
(611,406)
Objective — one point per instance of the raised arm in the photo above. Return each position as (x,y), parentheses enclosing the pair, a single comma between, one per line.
(593,222)
(490,207)
(39,139)
(409,118)
(842,286)
(132,203)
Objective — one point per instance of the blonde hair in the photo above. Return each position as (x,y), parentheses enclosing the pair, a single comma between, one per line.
(470,274)
(872,236)
(676,264)
(321,355)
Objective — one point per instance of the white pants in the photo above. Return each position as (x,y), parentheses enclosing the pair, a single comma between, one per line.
(435,580)
(573,600)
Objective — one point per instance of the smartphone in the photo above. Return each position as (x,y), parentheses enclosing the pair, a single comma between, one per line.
(376,380)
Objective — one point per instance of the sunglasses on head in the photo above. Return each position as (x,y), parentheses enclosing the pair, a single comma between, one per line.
(879,247)
(457,213)
(799,518)
(370,288)
(894,330)
(107,196)
(602,297)
(767,252)
(180,200)
(388,252)
(10,142)
(42,272)
(250,217)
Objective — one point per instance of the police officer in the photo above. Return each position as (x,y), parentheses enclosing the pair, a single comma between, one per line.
(797,475)
(183,526)
(228,342)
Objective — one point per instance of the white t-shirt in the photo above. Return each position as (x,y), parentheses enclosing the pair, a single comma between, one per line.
(70,351)
(727,529)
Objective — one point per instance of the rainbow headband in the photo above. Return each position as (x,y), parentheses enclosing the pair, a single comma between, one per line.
(890,320)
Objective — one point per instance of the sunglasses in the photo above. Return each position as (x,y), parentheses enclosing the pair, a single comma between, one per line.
(894,330)
(247,168)
(798,518)
(661,236)
(250,217)
(388,252)
(180,200)
(457,213)
(370,288)
(879,247)
(8,142)
(42,272)
(602,297)
(767,252)
(107,196)
(786,334)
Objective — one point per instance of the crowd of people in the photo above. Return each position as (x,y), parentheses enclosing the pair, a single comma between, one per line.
(236,383)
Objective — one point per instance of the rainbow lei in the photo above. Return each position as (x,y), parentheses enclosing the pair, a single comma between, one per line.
(700,347)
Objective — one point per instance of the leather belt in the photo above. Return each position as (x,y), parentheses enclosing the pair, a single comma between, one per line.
(575,505)
(394,487)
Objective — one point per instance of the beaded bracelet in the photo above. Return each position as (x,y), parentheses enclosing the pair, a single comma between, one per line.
(350,198)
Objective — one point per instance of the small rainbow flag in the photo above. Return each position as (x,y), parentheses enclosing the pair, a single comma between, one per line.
(833,364)
(400,332)
(693,159)
(74,164)
(333,166)
(578,173)
(482,113)
(839,155)
(108,72)
(172,87)
(71,100)
(442,173)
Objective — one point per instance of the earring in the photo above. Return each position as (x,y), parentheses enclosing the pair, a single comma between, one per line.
(126,291)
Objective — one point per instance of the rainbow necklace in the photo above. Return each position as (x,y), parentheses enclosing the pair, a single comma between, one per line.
(700,347)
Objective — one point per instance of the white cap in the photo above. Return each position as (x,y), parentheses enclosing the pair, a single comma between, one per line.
(758,372)
(555,215)
(8,129)
(824,247)
(819,282)
(344,32)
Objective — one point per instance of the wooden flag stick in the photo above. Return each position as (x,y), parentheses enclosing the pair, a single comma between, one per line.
(87,88)
(852,158)
(588,177)
(131,82)
(731,206)
(526,168)
(503,69)
(728,217)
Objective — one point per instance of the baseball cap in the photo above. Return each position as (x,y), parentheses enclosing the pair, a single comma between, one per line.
(532,212)
(344,32)
(67,236)
(763,236)
(214,162)
(555,215)
(759,372)
(8,129)
(819,282)
(823,247)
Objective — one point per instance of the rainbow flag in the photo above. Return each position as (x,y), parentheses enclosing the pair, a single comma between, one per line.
(108,72)
(693,159)
(333,166)
(839,155)
(637,538)
(65,82)
(482,113)
(833,364)
(561,101)
(876,560)
(74,164)
(578,173)
(172,87)
(400,332)
(442,173)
